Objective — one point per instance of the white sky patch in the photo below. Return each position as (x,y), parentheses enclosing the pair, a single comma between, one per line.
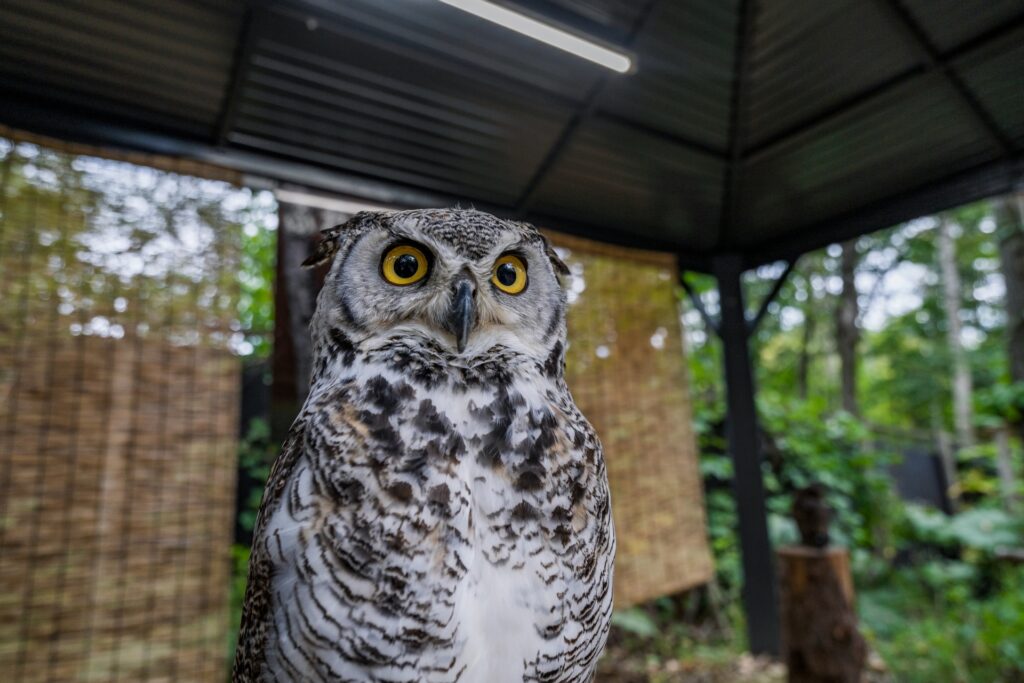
(790,317)
(658,338)
(148,223)
(992,290)
(971,337)
(693,327)
(899,294)
(576,282)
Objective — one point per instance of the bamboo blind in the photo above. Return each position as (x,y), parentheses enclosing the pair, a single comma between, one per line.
(118,419)
(626,369)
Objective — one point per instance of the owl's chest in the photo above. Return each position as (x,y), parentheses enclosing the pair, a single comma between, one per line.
(437,520)
(506,454)
(486,474)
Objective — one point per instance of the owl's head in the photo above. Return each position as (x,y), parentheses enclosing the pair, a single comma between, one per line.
(462,279)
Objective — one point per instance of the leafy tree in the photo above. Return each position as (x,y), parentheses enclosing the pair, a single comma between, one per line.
(950,595)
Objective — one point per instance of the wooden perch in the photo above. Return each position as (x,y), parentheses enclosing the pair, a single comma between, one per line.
(820,640)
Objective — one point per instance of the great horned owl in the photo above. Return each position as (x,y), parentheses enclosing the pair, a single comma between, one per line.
(440,510)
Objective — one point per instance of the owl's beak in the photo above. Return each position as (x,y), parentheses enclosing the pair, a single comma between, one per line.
(462,313)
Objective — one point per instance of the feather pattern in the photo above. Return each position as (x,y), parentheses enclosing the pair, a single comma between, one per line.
(433,516)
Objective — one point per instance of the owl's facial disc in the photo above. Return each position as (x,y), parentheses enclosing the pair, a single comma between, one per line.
(462,280)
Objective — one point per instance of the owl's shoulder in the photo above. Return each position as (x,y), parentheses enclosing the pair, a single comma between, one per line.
(257,603)
(320,415)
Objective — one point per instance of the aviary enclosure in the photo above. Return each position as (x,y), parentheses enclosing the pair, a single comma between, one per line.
(120,371)
(772,148)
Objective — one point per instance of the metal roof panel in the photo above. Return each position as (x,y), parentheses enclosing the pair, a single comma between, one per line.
(905,137)
(683,84)
(171,60)
(617,178)
(366,109)
(996,76)
(952,22)
(850,110)
(808,56)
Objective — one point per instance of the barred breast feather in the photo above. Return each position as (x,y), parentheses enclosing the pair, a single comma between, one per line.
(432,519)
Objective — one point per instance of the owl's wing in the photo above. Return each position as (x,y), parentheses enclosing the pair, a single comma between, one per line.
(596,565)
(249,654)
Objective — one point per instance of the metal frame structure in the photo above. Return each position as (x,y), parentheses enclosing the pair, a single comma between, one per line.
(69,111)
(729,147)
(734,329)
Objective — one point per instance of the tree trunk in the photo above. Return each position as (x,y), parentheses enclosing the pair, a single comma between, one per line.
(295,301)
(1004,467)
(947,456)
(847,334)
(1010,218)
(963,416)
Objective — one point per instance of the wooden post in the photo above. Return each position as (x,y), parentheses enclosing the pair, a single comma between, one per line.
(820,640)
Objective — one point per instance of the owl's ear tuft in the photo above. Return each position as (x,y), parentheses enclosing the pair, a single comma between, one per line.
(330,241)
(556,262)
(326,248)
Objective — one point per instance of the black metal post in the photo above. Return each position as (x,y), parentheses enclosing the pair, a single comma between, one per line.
(759,585)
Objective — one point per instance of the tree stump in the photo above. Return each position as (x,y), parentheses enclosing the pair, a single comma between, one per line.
(820,640)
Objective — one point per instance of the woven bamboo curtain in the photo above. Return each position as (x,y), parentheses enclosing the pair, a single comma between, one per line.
(118,418)
(626,369)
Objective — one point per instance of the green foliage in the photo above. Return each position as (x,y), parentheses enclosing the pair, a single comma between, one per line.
(1000,403)
(930,624)
(255,456)
(982,529)
(814,446)
(936,599)
(256,453)
(636,621)
(661,631)
(257,274)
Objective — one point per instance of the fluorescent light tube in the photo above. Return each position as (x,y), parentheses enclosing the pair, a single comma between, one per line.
(545,33)
(318,201)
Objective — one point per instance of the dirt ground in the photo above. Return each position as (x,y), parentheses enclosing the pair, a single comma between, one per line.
(621,666)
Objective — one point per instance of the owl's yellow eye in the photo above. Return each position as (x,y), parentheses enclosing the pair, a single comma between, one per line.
(509,274)
(404,265)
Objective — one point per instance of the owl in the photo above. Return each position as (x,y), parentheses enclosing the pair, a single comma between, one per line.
(440,510)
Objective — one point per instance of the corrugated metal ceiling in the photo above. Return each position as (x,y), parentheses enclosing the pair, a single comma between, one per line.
(749,124)
(169,61)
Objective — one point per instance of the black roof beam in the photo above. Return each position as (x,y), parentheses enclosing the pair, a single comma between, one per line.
(585,111)
(690,144)
(43,117)
(986,180)
(296,8)
(239,75)
(901,18)
(737,117)
(715,324)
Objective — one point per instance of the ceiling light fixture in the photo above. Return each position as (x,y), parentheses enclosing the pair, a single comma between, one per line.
(319,201)
(546,33)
